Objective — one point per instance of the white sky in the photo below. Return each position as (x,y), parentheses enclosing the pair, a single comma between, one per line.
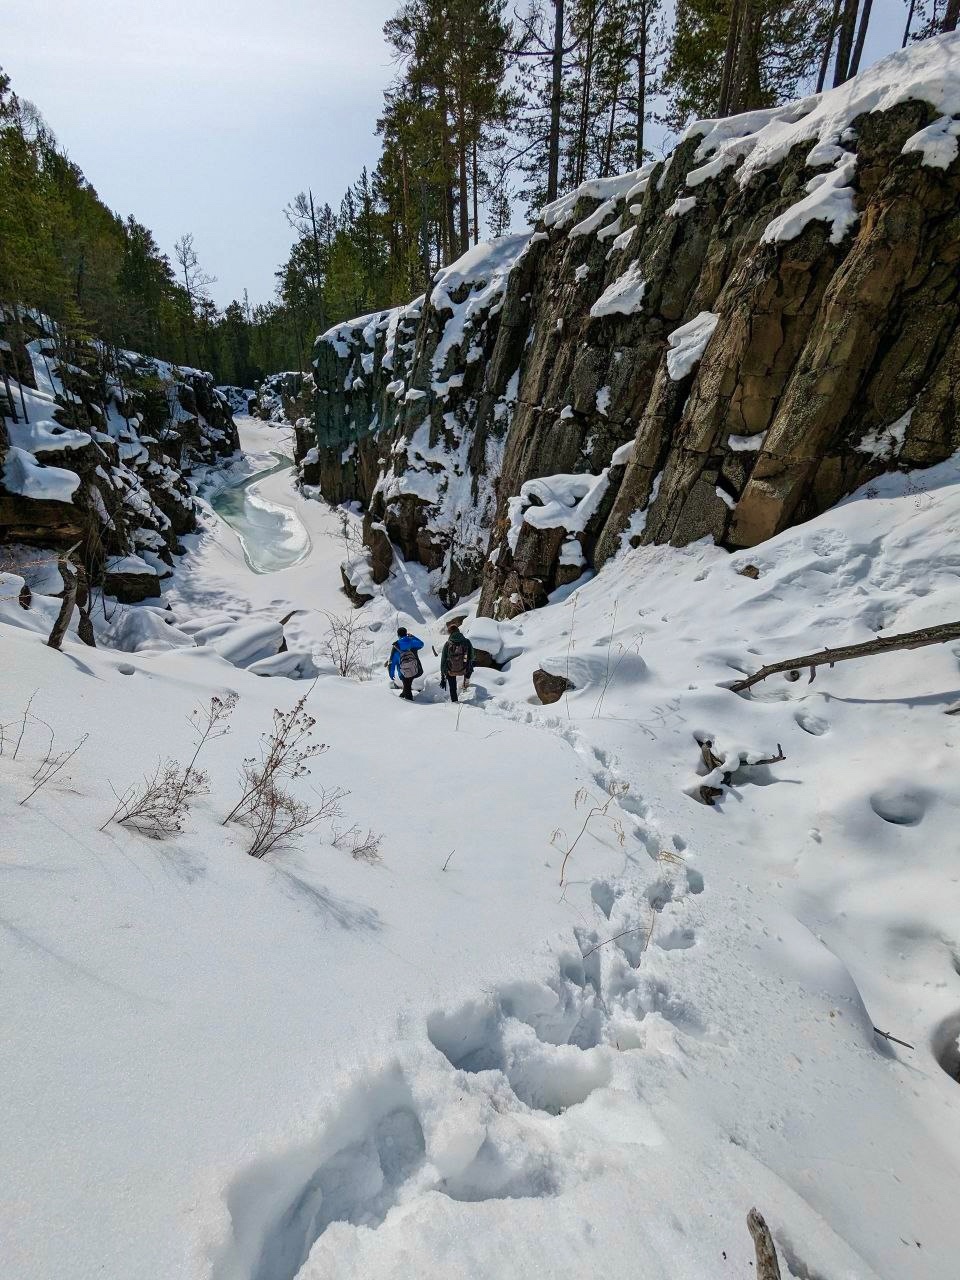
(210,115)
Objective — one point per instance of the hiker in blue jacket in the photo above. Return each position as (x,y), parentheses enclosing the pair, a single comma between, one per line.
(405,661)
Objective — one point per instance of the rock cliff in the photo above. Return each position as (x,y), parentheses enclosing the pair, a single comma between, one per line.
(718,345)
(96,449)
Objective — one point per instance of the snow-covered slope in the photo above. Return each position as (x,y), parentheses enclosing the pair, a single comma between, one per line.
(446,1064)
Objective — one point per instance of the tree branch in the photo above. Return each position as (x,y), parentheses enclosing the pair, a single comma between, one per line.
(827,657)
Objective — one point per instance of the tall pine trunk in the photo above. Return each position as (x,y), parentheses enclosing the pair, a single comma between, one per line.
(586,89)
(730,56)
(641,86)
(556,99)
(476,193)
(861,37)
(848,23)
(828,44)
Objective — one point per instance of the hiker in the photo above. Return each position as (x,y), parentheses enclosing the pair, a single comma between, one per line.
(405,660)
(456,660)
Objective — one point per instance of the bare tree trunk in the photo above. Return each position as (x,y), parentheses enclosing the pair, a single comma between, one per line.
(729,56)
(586,88)
(848,23)
(745,89)
(424,235)
(828,45)
(767,1266)
(952,15)
(67,602)
(906,29)
(464,193)
(827,657)
(556,99)
(84,626)
(476,193)
(641,85)
(861,37)
(317,264)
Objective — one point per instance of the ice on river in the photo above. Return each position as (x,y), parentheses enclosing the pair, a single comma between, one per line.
(272,535)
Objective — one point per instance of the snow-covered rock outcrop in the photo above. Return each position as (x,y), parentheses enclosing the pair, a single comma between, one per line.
(96,447)
(722,336)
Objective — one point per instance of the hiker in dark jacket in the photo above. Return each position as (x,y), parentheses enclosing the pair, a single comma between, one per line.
(456,660)
(405,661)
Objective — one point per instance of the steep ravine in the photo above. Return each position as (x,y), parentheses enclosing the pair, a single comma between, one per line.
(720,345)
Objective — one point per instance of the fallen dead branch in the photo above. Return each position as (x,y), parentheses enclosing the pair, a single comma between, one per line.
(887,1036)
(712,763)
(827,657)
(767,1266)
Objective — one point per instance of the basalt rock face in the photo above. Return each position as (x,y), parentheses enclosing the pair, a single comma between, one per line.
(718,346)
(282,397)
(98,448)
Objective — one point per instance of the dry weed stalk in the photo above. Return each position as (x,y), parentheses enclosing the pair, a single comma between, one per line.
(277,817)
(286,752)
(158,807)
(598,809)
(52,764)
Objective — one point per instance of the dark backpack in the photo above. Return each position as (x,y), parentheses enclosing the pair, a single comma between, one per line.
(409,664)
(456,658)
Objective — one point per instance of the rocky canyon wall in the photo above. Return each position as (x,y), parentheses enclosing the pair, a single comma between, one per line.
(96,450)
(719,345)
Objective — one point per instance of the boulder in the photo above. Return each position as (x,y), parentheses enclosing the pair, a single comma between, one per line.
(131,580)
(550,688)
(377,541)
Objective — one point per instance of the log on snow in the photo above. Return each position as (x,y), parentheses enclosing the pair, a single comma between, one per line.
(827,657)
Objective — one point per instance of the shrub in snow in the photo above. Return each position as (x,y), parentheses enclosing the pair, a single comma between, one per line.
(346,645)
(159,806)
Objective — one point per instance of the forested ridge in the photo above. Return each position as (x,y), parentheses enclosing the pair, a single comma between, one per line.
(492,108)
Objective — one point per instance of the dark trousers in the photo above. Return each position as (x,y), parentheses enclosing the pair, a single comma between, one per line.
(407,682)
(452,686)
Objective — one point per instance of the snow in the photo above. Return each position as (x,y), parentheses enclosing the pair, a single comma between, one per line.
(928,71)
(884,443)
(445,1065)
(132,565)
(937,143)
(610,191)
(688,343)
(485,268)
(23,474)
(595,220)
(623,297)
(681,206)
(603,401)
(621,241)
(830,199)
(746,444)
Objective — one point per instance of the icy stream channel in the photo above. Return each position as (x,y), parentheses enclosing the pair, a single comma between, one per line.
(272,535)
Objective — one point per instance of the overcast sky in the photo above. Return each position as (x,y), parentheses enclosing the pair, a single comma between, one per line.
(210,115)
(207,115)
